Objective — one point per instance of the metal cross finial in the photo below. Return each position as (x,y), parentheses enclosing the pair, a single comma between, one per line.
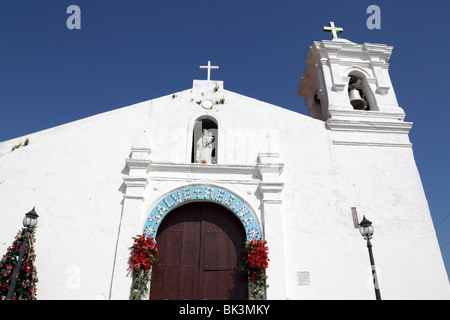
(209,67)
(334,30)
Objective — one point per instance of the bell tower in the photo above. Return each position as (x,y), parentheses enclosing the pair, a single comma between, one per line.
(348,86)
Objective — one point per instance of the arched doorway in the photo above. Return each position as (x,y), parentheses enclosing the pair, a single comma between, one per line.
(201,246)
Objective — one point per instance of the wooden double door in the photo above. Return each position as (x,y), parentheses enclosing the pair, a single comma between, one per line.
(201,246)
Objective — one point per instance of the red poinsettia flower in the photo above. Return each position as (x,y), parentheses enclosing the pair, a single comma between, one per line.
(142,255)
(257,258)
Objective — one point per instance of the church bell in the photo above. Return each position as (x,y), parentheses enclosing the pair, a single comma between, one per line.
(357,102)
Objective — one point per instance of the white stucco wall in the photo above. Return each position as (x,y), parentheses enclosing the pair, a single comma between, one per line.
(73,175)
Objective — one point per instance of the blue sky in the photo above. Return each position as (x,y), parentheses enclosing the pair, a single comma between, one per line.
(131,51)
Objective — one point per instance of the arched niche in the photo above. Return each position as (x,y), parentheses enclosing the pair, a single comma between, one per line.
(205,140)
(358,86)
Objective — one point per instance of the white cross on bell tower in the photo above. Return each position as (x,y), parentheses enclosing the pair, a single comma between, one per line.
(334,30)
(209,67)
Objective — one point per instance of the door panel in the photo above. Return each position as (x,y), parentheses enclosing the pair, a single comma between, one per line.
(201,246)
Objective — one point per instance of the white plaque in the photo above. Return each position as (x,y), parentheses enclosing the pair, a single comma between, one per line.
(207,104)
(303,278)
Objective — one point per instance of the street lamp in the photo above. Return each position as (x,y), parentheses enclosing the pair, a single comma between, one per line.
(366,230)
(30,222)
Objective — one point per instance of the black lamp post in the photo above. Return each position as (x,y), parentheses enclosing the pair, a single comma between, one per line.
(366,230)
(30,222)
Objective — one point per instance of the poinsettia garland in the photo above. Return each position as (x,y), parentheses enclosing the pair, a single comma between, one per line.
(142,258)
(25,288)
(255,264)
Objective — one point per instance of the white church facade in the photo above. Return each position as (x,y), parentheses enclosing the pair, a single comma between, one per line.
(194,166)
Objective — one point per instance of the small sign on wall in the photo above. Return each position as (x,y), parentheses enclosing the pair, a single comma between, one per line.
(303,278)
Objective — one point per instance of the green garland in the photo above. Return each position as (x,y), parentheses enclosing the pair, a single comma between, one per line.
(25,288)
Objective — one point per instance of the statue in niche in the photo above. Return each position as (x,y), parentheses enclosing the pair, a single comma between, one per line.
(205,147)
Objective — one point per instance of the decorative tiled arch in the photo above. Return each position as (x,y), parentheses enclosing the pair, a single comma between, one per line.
(215,194)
